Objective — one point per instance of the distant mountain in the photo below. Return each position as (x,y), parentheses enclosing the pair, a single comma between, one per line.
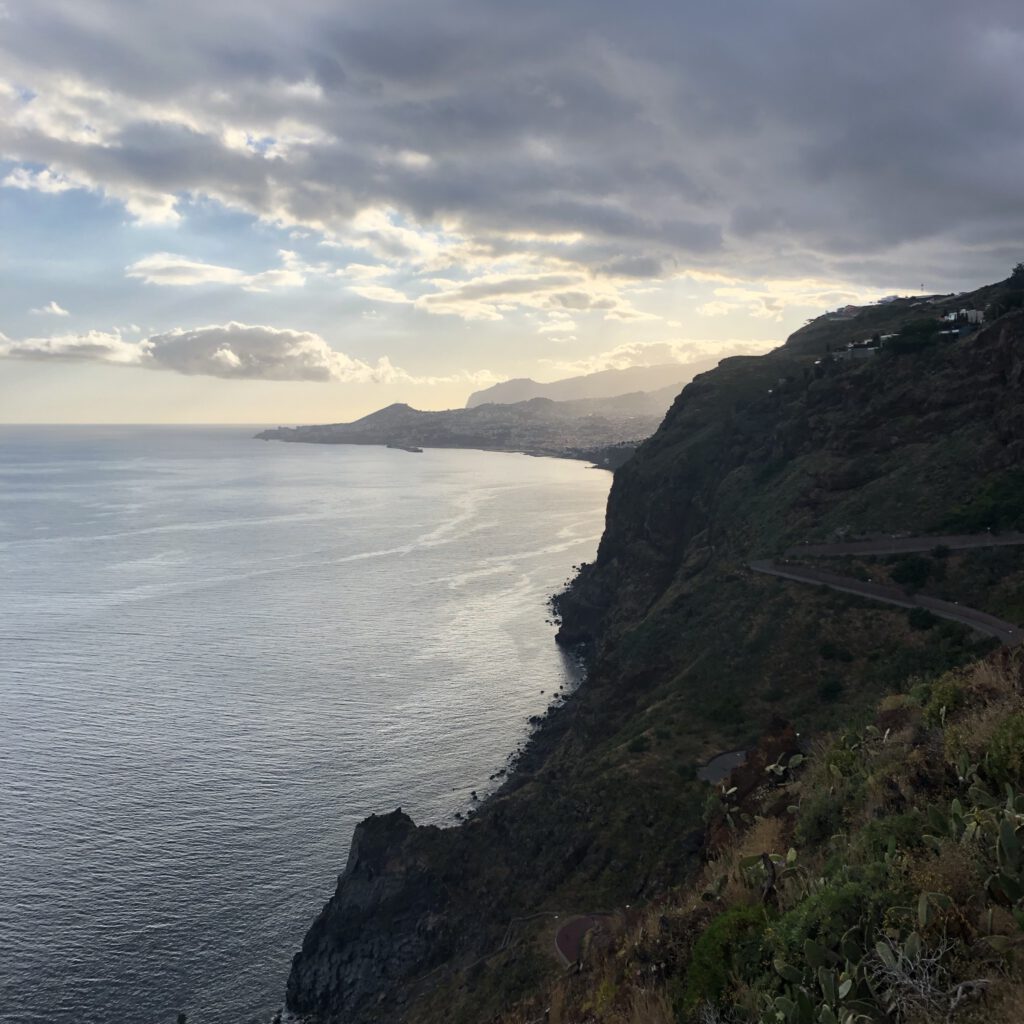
(602,430)
(603,384)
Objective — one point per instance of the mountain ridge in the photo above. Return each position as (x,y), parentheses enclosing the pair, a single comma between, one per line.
(600,384)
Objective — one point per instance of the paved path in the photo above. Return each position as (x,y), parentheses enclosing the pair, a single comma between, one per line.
(719,767)
(1007,633)
(905,545)
(569,937)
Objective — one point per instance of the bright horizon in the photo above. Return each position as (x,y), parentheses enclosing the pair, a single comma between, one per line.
(230,216)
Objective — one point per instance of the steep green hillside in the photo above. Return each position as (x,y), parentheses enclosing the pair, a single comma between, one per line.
(691,654)
(880,877)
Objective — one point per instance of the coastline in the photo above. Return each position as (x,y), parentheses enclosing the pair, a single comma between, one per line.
(397,870)
(609,457)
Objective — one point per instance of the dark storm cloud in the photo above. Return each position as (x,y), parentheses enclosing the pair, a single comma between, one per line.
(786,135)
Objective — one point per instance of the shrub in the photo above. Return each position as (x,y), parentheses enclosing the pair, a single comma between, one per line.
(946,697)
(819,819)
(914,336)
(823,916)
(831,690)
(638,745)
(904,830)
(921,618)
(731,945)
(834,652)
(1004,759)
(912,572)
(998,505)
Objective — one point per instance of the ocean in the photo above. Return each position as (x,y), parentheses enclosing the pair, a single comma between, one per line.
(216,656)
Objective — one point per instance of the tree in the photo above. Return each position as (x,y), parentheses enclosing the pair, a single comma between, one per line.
(1017,275)
(911,572)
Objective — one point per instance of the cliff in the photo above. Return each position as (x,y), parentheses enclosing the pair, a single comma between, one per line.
(691,654)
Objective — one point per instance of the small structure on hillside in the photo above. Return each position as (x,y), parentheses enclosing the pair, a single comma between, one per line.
(861,349)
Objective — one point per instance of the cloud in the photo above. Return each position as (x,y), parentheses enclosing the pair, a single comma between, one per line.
(169,270)
(770,299)
(38,181)
(705,352)
(237,350)
(98,346)
(380,293)
(52,308)
(822,136)
(233,351)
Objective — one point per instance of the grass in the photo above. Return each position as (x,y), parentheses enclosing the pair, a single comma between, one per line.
(885,847)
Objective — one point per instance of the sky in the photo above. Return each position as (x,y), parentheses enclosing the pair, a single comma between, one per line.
(259,211)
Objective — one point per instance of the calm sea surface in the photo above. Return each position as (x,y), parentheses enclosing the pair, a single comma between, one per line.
(216,656)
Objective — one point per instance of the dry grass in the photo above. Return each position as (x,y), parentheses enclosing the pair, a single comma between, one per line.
(649,1008)
(1005,1002)
(972,733)
(765,835)
(995,678)
(952,871)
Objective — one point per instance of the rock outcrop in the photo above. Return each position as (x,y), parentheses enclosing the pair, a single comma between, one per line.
(383,925)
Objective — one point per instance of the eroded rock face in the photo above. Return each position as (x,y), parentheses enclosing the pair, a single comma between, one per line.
(381,925)
(762,453)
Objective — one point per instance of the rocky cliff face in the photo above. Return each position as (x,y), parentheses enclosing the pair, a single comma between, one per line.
(692,655)
(383,925)
(764,453)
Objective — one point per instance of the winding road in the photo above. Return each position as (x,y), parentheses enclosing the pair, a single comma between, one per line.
(1005,632)
(570,934)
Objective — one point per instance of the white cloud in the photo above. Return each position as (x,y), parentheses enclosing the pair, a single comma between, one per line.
(39,181)
(539,283)
(170,270)
(234,351)
(365,271)
(263,353)
(380,293)
(149,208)
(97,346)
(557,322)
(52,308)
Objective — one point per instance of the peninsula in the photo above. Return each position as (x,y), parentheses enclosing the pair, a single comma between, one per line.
(604,431)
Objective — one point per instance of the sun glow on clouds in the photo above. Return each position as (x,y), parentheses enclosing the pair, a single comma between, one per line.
(512,176)
(169,270)
(232,350)
(769,300)
(658,353)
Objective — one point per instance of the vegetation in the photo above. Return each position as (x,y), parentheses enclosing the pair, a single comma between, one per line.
(914,336)
(881,879)
(999,505)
